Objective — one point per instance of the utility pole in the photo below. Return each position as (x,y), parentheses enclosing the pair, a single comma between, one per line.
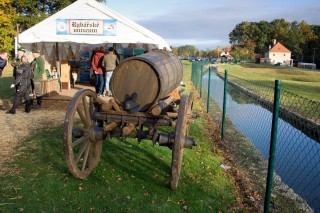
(314,51)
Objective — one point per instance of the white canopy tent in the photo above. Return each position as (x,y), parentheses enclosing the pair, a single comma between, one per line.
(127,30)
(45,34)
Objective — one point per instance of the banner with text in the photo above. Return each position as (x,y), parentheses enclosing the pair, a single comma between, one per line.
(103,27)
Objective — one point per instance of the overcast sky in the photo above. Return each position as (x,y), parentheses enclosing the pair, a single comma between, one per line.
(206,24)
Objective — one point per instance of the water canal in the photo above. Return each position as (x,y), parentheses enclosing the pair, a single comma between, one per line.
(297,159)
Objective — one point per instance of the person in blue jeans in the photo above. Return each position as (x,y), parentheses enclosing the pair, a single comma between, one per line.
(110,62)
(99,70)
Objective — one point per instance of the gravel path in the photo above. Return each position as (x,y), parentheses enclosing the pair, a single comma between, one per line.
(16,128)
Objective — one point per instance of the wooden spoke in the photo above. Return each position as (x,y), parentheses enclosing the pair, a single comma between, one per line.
(85,157)
(91,107)
(86,109)
(80,153)
(83,118)
(78,141)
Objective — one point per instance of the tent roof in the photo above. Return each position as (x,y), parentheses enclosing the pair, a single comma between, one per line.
(127,30)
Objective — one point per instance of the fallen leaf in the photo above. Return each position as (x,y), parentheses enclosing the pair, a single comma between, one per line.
(181,202)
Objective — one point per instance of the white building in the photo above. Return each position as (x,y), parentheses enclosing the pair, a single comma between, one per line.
(279,54)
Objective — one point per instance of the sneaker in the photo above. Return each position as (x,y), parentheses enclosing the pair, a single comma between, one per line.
(108,94)
(99,95)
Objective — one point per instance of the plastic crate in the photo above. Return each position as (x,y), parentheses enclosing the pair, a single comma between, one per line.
(84,76)
(138,51)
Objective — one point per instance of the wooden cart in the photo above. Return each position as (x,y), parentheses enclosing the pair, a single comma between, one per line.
(132,112)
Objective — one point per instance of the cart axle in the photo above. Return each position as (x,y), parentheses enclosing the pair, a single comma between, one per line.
(164,139)
(168,140)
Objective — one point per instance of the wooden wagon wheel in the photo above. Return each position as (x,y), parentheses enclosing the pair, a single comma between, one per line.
(82,153)
(182,130)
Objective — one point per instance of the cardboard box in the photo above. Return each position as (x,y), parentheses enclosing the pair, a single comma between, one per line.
(65,85)
(65,71)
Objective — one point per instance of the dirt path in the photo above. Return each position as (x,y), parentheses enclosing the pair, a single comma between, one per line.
(16,128)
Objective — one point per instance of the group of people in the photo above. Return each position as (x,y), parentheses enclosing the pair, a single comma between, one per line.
(103,65)
(27,79)
(28,76)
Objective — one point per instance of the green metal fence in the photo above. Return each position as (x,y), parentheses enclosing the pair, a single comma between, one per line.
(259,133)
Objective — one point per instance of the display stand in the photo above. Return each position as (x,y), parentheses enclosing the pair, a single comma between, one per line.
(50,87)
(65,75)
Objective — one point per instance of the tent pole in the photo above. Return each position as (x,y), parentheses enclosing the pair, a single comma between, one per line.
(16,42)
(57,59)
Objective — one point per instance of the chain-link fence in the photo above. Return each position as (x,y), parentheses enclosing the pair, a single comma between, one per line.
(247,133)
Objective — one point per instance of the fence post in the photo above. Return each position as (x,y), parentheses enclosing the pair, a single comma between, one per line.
(273,141)
(192,74)
(208,99)
(201,73)
(197,75)
(224,109)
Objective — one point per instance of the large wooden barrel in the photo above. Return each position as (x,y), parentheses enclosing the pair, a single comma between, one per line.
(143,80)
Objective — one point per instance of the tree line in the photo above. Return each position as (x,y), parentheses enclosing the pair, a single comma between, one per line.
(302,39)
(250,38)
(20,15)
(190,50)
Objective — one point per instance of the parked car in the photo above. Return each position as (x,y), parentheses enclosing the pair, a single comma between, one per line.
(192,59)
(278,64)
(215,60)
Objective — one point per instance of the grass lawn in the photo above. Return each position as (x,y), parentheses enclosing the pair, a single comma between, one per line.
(298,81)
(130,177)
(5,81)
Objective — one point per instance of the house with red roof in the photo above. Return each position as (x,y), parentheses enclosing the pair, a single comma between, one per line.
(278,54)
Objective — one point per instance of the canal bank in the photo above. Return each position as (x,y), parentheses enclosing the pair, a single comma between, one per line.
(296,158)
(307,126)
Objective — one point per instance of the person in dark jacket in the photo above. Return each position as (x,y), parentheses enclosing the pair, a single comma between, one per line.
(24,74)
(16,62)
(3,60)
